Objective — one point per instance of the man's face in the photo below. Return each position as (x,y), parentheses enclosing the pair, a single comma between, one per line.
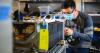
(70,11)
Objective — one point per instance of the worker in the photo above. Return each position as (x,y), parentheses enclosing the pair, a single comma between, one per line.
(81,30)
(18,15)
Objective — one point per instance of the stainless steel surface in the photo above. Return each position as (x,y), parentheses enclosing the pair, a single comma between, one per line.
(58,49)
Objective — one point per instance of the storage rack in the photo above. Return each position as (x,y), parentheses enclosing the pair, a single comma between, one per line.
(57,48)
(40,1)
(92,8)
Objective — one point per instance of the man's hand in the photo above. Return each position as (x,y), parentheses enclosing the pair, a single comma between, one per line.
(68,31)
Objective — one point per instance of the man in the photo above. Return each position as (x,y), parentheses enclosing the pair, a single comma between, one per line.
(79,26)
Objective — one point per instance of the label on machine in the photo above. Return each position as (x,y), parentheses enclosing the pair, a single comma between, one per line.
(44,40)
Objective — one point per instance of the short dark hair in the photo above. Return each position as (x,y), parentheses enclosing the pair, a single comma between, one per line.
(68,4)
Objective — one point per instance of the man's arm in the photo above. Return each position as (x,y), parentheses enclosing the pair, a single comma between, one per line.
(88,31)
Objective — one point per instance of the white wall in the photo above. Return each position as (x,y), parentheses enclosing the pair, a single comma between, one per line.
(78,4)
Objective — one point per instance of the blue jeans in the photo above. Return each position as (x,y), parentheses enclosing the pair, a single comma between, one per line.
(77,50)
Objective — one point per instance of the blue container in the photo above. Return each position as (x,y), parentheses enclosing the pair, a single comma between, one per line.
(43,14)
(4,12)
(20,17)
(57,17)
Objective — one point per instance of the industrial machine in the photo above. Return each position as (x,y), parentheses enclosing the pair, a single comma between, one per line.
(33,35)
(27,38)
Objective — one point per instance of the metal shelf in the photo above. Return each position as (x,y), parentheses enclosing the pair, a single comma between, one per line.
(41,1)
(28,40)
(91,1)
(94,14)
(90,6)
